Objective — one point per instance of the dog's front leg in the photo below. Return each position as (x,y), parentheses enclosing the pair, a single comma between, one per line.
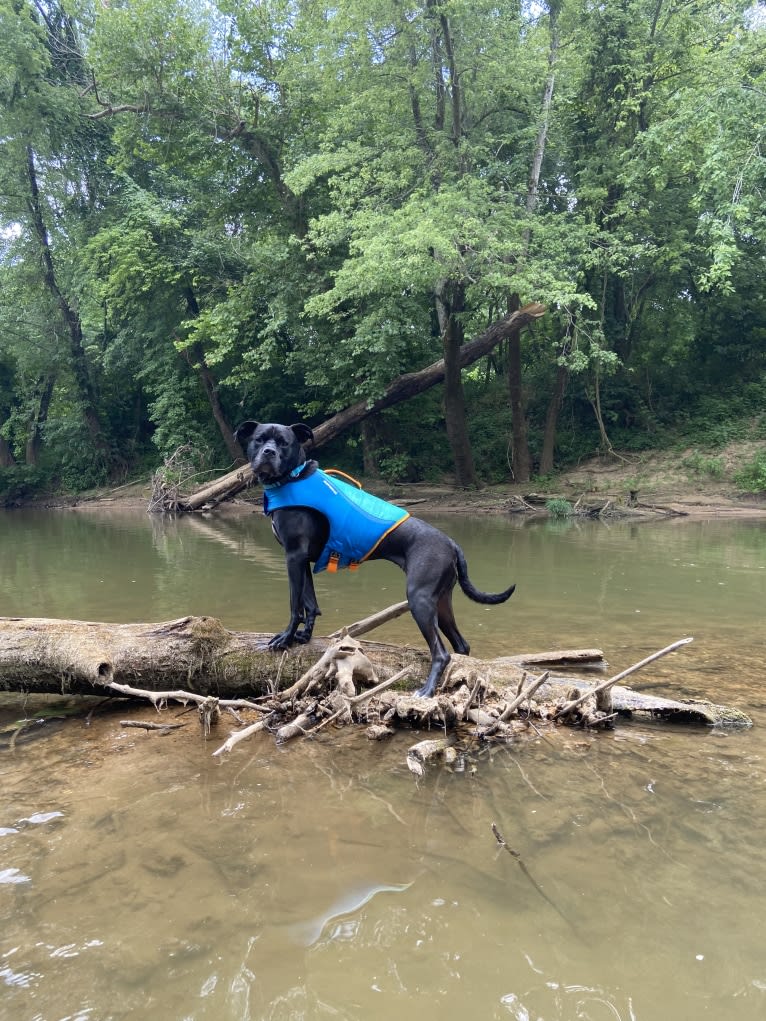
(302,533)
(297,569)
(310,608)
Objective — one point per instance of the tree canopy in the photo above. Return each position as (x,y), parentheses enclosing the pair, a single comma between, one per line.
(273,208)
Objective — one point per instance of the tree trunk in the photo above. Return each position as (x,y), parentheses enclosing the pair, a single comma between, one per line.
(195,356)
(413,383)
(7,460)
(370,465)
(256,144)
(33,444)
(34,438)
(521,463)
(199,655)
(533,183)
(520,457)
(552,418)
(450,302)
(400,389)
(78,362)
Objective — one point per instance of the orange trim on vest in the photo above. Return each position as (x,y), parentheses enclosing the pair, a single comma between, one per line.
(342,475)
(388,531)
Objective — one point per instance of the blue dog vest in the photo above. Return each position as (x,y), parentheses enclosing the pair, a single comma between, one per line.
(358,520)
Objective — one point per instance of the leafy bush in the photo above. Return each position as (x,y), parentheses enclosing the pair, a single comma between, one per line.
(751,477)
(70,455)
(22,482)
(394,467)
(726,417)
(489,428)
(702,465)
(558,508)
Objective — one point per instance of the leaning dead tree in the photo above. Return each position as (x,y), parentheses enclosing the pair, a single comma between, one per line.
(334,680)
(401,389)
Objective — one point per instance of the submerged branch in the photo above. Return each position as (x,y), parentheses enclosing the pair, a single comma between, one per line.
(518,859)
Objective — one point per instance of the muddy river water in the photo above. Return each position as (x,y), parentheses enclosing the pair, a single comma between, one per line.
(141,878)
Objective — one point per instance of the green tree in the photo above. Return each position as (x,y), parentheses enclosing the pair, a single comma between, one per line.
(49,170)
(664,167)
(425,158)
(280,205)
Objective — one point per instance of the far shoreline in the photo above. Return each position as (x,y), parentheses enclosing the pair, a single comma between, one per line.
(596,490)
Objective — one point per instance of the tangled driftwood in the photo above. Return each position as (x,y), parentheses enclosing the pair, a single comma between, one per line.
(495,712)
(195,660)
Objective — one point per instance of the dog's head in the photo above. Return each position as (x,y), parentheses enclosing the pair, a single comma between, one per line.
(273,451)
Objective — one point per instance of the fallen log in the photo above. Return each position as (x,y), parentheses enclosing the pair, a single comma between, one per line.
(424,752)
(199,655)
(202,657)
(582,659)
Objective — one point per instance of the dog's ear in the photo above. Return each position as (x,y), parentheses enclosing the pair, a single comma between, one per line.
(303,433)
(244,431)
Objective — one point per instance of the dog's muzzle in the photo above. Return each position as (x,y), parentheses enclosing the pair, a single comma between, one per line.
(266,465)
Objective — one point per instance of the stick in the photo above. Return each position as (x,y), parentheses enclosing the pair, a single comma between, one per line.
(367,624)
(565,710)
(559,658)
(151,726)
(358,699)
(525,694)
(477,684)
(515,854)
(240,735)
(180,696)
(602,719)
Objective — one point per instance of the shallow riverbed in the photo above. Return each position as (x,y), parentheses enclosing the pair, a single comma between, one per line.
(140,878)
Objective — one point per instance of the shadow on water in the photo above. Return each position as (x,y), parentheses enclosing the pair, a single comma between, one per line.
(141,878)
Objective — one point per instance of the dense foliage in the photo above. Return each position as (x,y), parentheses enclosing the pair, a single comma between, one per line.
(272,208)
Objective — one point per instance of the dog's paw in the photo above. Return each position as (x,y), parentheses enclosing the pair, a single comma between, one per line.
(282,641)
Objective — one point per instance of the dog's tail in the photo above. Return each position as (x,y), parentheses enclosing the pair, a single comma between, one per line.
(490,598)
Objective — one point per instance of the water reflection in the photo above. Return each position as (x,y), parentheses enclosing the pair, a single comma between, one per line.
(146,879)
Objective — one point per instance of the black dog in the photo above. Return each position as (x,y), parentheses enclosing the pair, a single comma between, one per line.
(431,560)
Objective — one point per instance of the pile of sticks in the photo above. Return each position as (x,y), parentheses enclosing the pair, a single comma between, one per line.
(342,688)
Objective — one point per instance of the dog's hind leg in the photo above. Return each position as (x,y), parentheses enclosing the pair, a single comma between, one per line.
(423,607)
(447,625)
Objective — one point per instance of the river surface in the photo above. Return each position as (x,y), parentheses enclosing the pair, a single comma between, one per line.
(141,878)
